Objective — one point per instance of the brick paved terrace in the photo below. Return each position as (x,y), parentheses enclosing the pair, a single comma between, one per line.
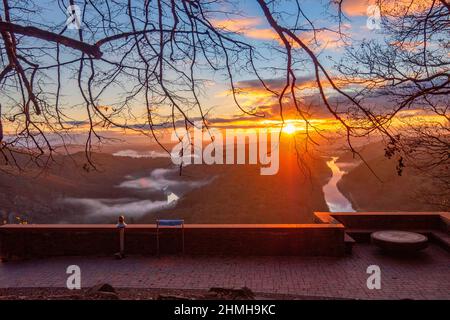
(426,276)
(316,260)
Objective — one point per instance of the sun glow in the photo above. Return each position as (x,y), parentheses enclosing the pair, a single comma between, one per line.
(289,128)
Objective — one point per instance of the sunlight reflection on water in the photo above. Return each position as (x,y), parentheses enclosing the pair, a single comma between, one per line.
(335,200)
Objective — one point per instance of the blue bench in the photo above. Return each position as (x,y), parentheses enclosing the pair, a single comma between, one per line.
(169,223)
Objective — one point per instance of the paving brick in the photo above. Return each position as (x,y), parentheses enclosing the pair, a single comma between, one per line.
(424,277)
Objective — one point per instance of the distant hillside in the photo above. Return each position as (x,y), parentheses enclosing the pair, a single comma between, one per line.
(35,193)
(392,193)
(240,194)
(368,152)
(237,194)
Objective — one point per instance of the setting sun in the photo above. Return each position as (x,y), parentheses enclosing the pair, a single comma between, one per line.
(289,128)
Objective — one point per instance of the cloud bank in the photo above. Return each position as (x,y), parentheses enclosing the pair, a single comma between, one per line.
(114,207)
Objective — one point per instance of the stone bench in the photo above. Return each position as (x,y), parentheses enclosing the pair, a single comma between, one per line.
(399,241)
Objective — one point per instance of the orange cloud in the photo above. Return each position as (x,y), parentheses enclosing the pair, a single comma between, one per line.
(251,94)
(247,27)
(251,28)
(321,39)
(411,46)
(356,7)
(387,7)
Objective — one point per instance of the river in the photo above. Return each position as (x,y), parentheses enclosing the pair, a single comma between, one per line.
(335,200)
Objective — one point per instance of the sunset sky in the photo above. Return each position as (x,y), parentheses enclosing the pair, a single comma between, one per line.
(248,20)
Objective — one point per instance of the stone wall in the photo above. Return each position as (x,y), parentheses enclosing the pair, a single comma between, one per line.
(360,225)
(392,220)
(326,238)
(27,241)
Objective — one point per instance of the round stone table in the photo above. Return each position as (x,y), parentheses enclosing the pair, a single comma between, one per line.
(405,241)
